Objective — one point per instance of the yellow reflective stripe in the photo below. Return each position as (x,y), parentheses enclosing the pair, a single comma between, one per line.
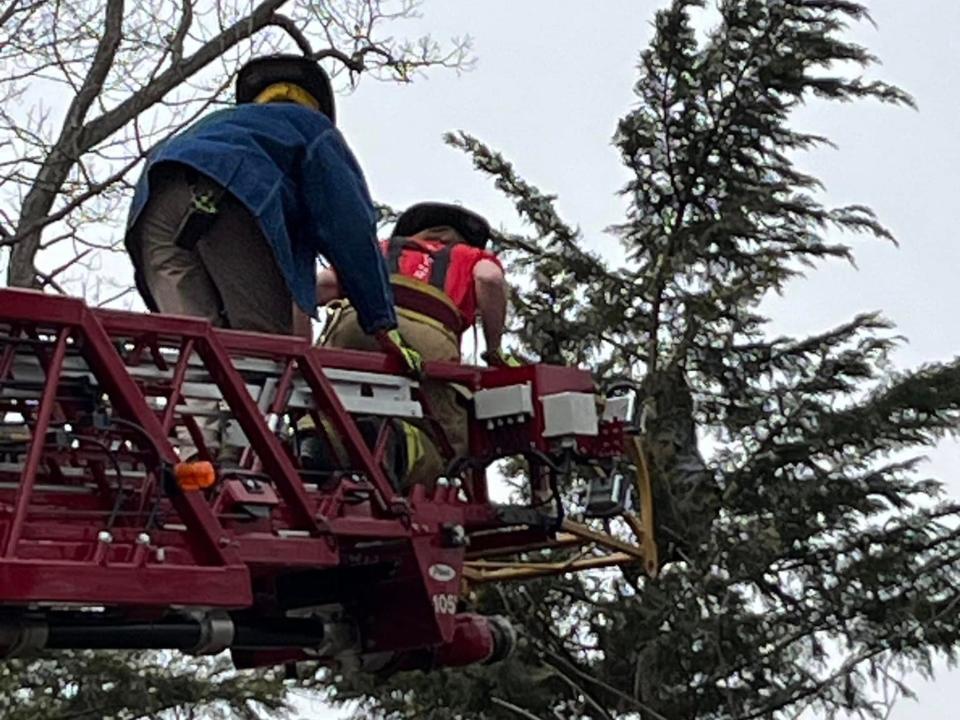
(287,92)
(414,438)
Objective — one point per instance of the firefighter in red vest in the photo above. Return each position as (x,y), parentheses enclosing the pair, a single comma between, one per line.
(443,278)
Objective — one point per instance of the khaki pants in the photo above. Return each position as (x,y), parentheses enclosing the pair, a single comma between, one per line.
(433,343)
(229,278)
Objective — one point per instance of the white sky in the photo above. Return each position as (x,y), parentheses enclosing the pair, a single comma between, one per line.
(553,78)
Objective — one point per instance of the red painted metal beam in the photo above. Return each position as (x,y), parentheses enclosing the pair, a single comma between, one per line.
(203,555)
(27,581)
(254,425)
(29,475)
(176,383)
(280,399)
(325,395)
(26,306)
(288,553)
(217,361)
(206,531)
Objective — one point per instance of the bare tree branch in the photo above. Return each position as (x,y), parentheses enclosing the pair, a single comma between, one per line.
(66,150)
(116,296)
(186,19)
(102,127)
(77,138)
(290,27)
(129,74)
(513,708)
(93,189)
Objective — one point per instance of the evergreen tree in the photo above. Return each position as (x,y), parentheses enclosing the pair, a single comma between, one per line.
(808,555)
(134,685)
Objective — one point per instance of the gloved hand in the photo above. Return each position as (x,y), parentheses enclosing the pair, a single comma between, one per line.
(393,344)
(499,358)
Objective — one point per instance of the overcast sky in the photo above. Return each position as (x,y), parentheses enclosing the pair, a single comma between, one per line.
(554,76)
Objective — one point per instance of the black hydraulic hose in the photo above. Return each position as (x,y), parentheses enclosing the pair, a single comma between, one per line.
(133,636)
(111,456)
(140,430)
(180,634)
(121,493)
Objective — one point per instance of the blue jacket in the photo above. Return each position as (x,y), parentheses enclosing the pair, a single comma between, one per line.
(293,171)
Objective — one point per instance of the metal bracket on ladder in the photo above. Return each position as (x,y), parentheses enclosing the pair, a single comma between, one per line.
(363,393)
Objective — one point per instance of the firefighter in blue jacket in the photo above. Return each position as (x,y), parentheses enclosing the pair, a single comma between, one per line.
(230,215)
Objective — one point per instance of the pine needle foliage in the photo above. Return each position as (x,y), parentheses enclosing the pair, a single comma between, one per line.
(811,559)
(85,685)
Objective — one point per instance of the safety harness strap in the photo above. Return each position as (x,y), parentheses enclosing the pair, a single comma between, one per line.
(426,300)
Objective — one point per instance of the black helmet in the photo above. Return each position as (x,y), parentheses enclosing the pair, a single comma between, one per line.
(262,72)
(423,216)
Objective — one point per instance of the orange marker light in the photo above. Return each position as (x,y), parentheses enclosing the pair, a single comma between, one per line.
(195,475)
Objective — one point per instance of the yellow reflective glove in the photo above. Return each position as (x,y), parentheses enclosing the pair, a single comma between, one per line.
(499,358)
(393,343)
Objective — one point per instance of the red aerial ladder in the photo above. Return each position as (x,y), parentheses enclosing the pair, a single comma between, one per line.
(109,540)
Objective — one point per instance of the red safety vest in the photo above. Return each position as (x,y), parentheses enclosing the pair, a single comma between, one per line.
(442,271)
(420,283)
(435,262)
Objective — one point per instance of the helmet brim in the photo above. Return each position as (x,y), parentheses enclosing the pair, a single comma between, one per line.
(423,216)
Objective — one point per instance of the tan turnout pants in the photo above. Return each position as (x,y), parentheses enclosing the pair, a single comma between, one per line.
(433,343)
(230,277)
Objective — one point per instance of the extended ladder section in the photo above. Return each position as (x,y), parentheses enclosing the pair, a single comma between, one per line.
(150,487)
